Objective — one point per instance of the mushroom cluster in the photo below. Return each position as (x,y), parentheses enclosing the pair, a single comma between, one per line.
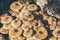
(27,22)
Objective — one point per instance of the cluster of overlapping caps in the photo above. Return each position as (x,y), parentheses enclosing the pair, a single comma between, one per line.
(26,22)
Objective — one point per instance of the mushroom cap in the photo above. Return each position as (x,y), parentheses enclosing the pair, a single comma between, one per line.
(15,32)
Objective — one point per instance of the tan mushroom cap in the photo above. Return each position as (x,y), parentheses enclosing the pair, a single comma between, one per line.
(29,23)
(45,16)
(28,33)
(13,38)
(4,16)
(26,17)
(30,17)
(57,16)
(15,32)
(56,32)
(41,12)
(40,23)
(25,10)
(6,20)
(32,7)
(15,6)
(7,26)
(52,22)
(25,27)
(16,23)
(4,31)
(53,38)
(41,33)
(21,38)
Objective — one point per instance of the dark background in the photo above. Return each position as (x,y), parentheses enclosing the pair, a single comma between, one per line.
(4,5)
